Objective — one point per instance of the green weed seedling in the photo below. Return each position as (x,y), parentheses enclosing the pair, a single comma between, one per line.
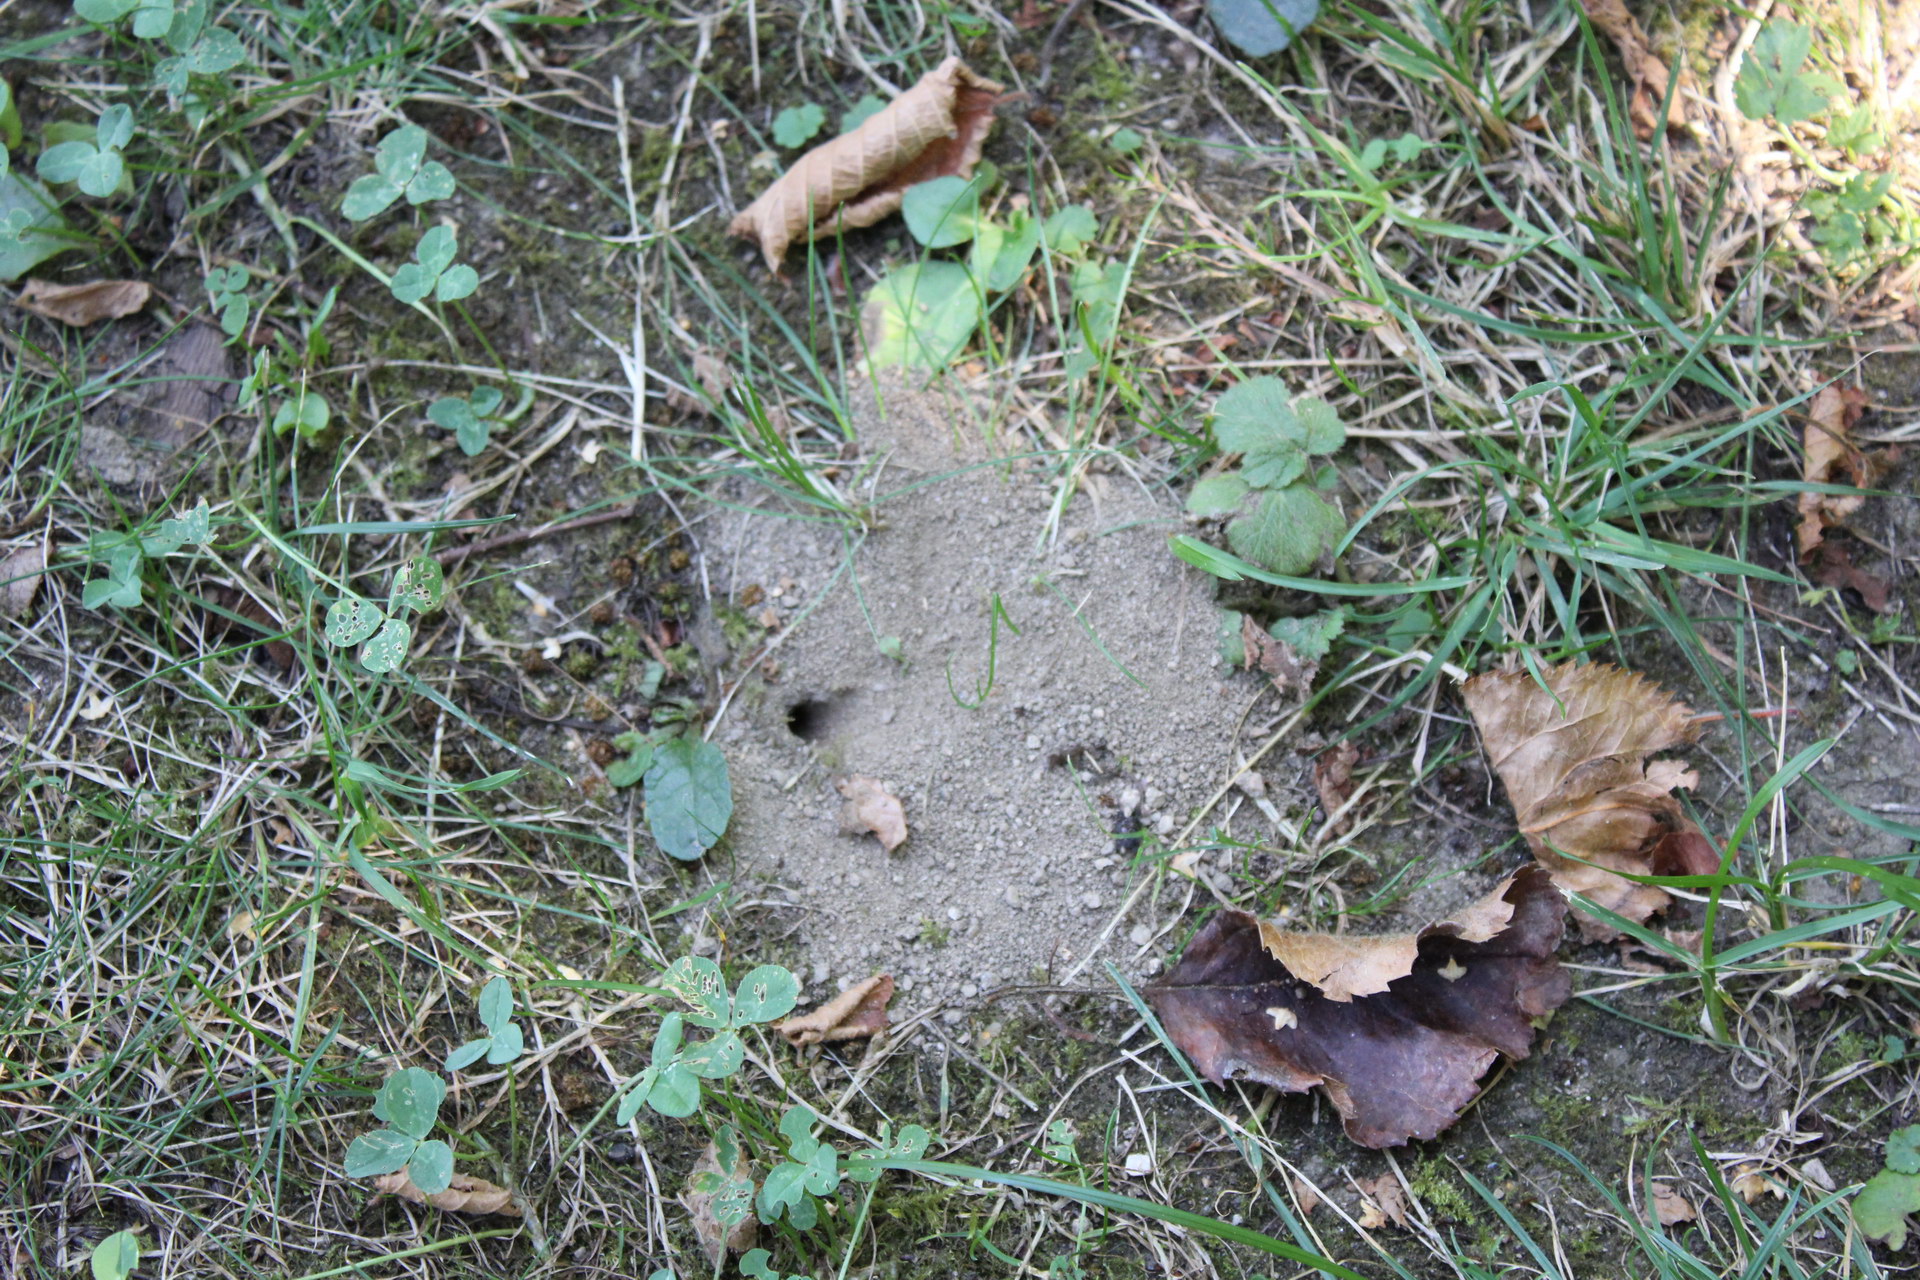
(419,586)
(227,292)
(796,1186)
(198,49)
(409,1103)
(688,791)
(95,167)
(434,270)
(471,418)
(1880,1209)
(504,1041)
(671,1083)
(795,126)
(122,587)
(1773,81)
(305,411)
(1275,517)
(115,1257)
(400,168)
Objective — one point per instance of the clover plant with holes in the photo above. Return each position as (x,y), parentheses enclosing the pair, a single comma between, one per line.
(409,1103)
(122,587)
(671,1083)
(400,168)
(434,270)
(419,586)
(504,1041)
(1275,515)
(688,791)
(95,166)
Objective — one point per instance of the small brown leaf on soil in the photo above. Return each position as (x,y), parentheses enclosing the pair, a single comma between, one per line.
(1648,72)
(83,304)
(1397,1030)
(466,1195)
(1833,566)
(1305,1196)
(1385,1202)
(871,807)
(1670,1207)
(1573,757)
(932,130)
(857,1012)
(716,1241)
(1831,457)
(1287,669)
(1333,779)
(1750,1184)
(20,576)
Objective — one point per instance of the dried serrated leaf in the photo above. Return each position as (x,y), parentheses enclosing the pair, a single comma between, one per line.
(870,807)
(933,130)
(83,304)
(1573,757)
(857,1012)
(465,1194)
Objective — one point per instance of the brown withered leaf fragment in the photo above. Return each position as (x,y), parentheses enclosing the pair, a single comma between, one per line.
(871,807)
(1831,457)
(1670,1208)
(716,1240)
(1385,1202)
(83,304)
(20,575)
(1573,757)
(1833,566)
(1333,779)
(933,130)
(1400,1062)
(1648,72)
(857,1012)
(465,1195)
(1286,668)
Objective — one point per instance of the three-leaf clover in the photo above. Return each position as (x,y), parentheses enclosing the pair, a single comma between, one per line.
(121,586)
(176,531)
(95,167)
(151,18)
(1770,81)
(419,586)
(399,169)
(797,124)
(197,48)
(471,418)
(671,1083)
(435,271)
(409,1102)
(503,1041)
(227,289)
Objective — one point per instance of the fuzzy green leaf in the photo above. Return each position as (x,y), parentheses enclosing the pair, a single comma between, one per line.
(1903,1149)
(1287,531)
(1218,495)
(1881,1208)
(1312,636)
(689,797)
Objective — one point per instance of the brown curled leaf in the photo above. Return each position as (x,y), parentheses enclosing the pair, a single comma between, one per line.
(933,130)
(1333,779)
(871,807)
(857,1012)
(1399,1057)
(1573,757)
(83,304)
(1831,457)
(465,1195)
(1648,72)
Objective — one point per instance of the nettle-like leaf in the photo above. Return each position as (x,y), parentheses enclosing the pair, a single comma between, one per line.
(400,168)
(1903,1149)
(1274,434)
(1287,530)
(1311,637)
(1219,495)
(1771,81)
(352,620)
(689,797)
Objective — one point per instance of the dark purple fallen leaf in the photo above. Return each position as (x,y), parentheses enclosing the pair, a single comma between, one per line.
(1398,1064)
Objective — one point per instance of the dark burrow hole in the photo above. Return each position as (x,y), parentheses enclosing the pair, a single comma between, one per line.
(808,719)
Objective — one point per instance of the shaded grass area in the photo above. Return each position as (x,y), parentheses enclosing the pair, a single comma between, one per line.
(243,880)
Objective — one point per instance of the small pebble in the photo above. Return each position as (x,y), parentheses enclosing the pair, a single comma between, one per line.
(1140,935)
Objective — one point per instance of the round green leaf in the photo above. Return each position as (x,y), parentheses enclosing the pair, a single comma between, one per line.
(307,410)
(796,125)
(485,400)
(352,620)
(767,994)
(862,111)
(383,1151)
(459,282)
(387,650)
(1274,466)
(1287,532)
(689,797)
(115,1257)
(942,212)
(1881,1208)
(410,1101)
(508,1042)
(1261,27)
(63,161)
(411,282)
(1217,495)
(496,998)
(437,249)
(451,413)
(433,182)
(100,173)
(114,129)
(468,1054)
(823,1170)
(716,1059)
(369,195)
(624,773)
(1903,1149)
(431,1168)
(676,1094)
(1070,229)
(698,981)
(216,51)
(397,158)
(666,1040)
(920,315)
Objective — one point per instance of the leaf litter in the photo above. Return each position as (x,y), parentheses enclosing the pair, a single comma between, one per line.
(1831,458)
(464,1195)
(80,305)
(871,808)
(857,1013)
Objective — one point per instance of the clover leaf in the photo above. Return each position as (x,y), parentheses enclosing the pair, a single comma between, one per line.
(399,169)
(95,167)
(796,125)
(504,1040)
(435,271)
(227,290)
(471,419)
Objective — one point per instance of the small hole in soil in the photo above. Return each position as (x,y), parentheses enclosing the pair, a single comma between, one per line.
(808,719)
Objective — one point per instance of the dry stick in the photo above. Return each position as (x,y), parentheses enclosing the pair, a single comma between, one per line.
(454,555)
